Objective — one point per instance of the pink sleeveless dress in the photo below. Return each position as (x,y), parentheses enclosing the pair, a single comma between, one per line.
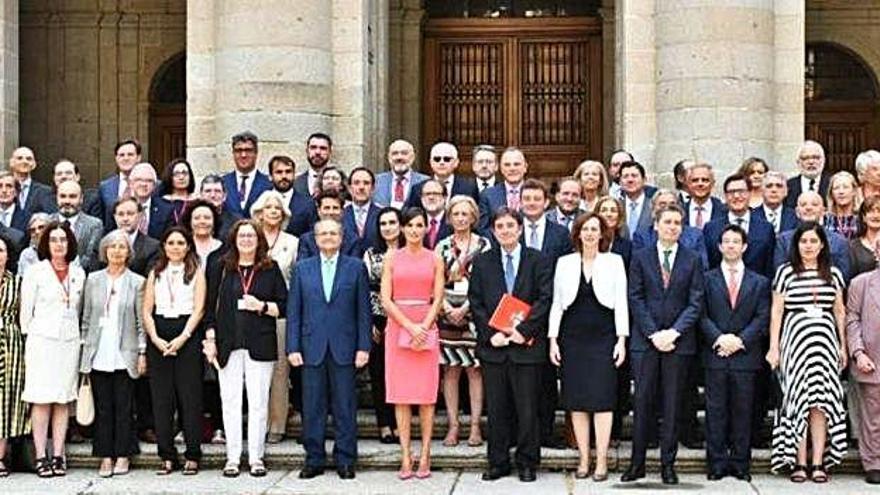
(411,376)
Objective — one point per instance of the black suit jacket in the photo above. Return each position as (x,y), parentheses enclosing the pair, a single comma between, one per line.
(534,285)
(460,185)
(794,189)
(303,213)
(146,249)
(40,198)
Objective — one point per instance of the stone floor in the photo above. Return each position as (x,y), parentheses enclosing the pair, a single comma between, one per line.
(86,481)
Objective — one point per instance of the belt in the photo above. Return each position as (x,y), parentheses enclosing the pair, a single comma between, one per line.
(411,302)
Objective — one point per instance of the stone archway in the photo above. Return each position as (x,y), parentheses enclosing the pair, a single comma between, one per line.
(168,112)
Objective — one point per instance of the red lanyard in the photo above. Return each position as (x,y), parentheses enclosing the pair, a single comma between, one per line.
(246,282)
(178,214)
(170,287)
(64,282)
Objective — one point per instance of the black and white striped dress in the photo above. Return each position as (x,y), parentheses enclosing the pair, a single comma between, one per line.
(809,375)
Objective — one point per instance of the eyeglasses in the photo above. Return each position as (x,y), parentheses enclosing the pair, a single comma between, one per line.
(387,223)
(244,151)
(737,191)
(247,235)
(810,157)
(180,173)
(430,194)
(444,159)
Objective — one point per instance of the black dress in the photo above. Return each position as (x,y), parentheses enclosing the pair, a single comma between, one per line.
(586,342)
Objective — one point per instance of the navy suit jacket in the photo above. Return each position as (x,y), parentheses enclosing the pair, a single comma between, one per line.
(490,200)
(20,218)
(351,246)
(371,232)
(719,210)
(691,238)
(761,243)
(789,217)
(460,185)
(301,184)
(556,242)
(108,194)
(645,218)
(19,241)
(839,251)
(656,308)
(624,248)
(749,319)
(260,185)
(385,186)
(160,217)
(303,214)
(341,326)
(794,189)
(41,198)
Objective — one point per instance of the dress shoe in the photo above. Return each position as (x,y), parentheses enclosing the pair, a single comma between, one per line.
(310,472)
(693,443)
(653,444)
(527,474)
(741,475)
(345,472)
(667,474)
(872,476)
(148,436)
(715,475)
(633,473)
(495,473)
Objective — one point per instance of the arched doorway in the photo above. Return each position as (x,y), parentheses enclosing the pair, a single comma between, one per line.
(515,73)
(168,112)
(841,104)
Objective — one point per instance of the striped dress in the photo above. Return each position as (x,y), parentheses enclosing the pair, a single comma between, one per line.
(13,411)
(809,374)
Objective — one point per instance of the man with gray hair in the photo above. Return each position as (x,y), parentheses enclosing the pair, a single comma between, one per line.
(394,186)
(868,170)
(773,210)
(484,163)
(702,207)
(156,212)
(812,176)
(444,162)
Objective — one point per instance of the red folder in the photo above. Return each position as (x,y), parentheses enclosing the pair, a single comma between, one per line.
(509,313)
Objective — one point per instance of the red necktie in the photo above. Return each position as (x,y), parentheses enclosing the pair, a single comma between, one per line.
(732,287)
(398,190)
(432,233)
(699,219)
(513,199)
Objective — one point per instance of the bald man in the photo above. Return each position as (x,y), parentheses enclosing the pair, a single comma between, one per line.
(811,208)
(444,162)
(394,186)
(86,228)
(33,196)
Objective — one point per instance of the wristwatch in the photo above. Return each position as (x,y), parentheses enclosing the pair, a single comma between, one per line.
(264,308)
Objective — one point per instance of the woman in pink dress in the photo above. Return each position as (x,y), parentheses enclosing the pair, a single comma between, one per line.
(412,292)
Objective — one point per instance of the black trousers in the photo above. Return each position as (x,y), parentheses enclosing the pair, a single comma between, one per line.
(688,425)
(376,367)
(510,383)
(181,377)
(548,401)
(143,404)
(624,399)
(653,370)
(729,403)
(113,432)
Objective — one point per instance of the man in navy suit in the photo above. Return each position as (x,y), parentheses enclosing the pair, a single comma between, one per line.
(33,196)
(12,217)
(484,163)
(444,162)
(666,298)
(513,168)
(734,326)
(691,237)
(761,238)
(773,209)
(568,202)
(127,154)
(811,208)
(362,215)
(245,184)
(812,177)
(394,186)
(303,213)
(511,362)
(702,207)
(328,334)
(319,148)
(433,199)
(156,212)
(330,206)
(636,195)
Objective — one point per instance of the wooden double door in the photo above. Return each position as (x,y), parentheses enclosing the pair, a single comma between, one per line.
(531,83)
(844,128)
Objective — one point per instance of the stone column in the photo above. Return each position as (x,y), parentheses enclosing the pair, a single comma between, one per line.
(8,76)
(789,54)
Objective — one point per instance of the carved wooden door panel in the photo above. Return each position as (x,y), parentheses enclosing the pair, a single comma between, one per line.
(531,83)
(167,135)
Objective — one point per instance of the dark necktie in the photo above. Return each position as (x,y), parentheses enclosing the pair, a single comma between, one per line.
(242,188)
(812,185)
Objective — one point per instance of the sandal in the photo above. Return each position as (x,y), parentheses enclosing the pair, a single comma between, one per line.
(819,475)
(4,471)
(475,439)
(59,466)
(43,468)
(451,439)
(258,469)
(231,470)
(166,468)
(190,468)
(798,474)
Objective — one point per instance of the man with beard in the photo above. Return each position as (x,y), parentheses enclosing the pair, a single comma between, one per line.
(615,163)
(484,163)
(303,214)
(319,147)
(86,228)
(244,184)
(568,201)
(394,186)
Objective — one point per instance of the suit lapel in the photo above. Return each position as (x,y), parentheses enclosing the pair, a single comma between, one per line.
(336,276)
(520,269)
(874,288)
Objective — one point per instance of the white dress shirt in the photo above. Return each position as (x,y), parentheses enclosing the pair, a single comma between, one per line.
(746,218)
(174,297)
(407,181)
(123,183)
(108,357)
(707,212)
(739,266)
(248,184)
(516,253)
(6,214)
(773,216)
(633,213)
(488,183)
(805,183)
(540,226)
(661,249)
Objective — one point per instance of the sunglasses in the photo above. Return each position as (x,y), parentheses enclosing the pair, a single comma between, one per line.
(444,159)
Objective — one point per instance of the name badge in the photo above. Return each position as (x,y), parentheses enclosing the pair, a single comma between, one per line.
(461,286)
(814,312)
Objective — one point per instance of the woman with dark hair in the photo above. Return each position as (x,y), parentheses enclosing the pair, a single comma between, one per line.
(862,257)
(13,411)
(51,299)
(612,211)
(202,220)
(458,341)
(754,169)
(246,295)
(412,293)
(178,187)
(174,301)
(808,346)
(589,324)
(388,239)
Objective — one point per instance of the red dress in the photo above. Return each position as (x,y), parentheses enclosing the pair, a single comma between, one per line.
(411,376)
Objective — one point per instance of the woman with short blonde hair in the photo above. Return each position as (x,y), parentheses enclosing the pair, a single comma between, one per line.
(594,182)
(843,199)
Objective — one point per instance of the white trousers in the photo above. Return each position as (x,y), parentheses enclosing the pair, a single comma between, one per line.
(256,376)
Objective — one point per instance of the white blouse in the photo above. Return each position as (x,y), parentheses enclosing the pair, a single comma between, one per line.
(284,253)
(174,297)
(108,356)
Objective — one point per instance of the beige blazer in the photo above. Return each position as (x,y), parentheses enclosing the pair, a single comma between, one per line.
(132,338)
(609,284)
(863,322)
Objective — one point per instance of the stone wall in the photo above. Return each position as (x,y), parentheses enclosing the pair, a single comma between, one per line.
(86,73)
(9,86)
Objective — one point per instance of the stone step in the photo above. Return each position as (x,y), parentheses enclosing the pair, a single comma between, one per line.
(374,455)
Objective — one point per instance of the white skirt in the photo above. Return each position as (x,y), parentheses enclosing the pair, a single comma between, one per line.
(51,369)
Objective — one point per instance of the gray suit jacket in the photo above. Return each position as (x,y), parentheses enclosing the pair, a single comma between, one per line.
(863,322)
(384,187)
(88,231)
(132,339)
